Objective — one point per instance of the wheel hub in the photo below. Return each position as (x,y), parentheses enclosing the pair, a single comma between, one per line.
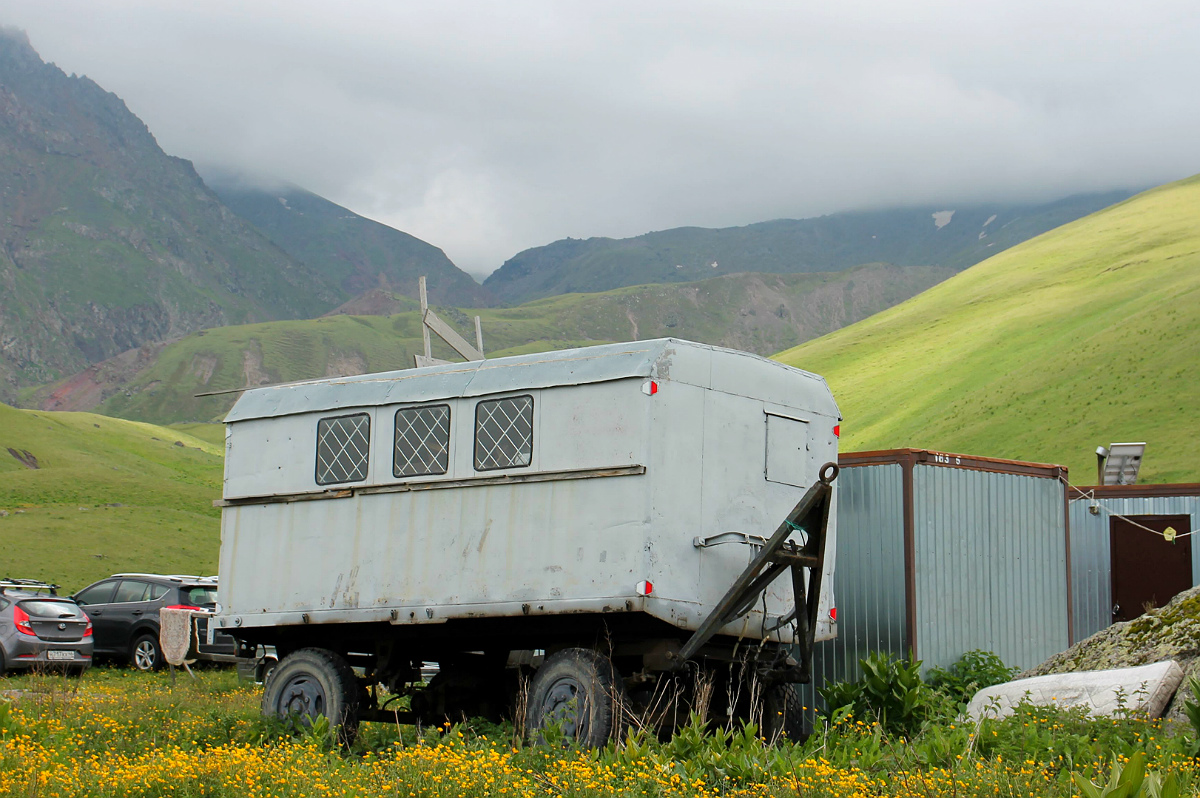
(301,695)
(143,655)
(564,706)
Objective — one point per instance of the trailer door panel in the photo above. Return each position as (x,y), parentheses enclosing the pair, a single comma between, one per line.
(787,450)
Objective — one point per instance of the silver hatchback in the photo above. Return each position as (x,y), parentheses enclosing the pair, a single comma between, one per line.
(41,630)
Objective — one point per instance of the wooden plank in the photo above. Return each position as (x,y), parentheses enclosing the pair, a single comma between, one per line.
(478,335)
(422,360)
(447,334)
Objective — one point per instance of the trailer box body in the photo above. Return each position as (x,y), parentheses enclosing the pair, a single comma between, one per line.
(591,480)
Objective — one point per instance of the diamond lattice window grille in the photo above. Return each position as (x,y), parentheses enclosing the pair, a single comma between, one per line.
(504,433)
(422,441)
(343,448)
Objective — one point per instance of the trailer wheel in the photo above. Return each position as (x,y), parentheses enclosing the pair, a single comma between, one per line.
(579,692)
(314,682)
(783,714)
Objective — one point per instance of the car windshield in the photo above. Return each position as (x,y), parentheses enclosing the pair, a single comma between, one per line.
(42,608)
(200,595)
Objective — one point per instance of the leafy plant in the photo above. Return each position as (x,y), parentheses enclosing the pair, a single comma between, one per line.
(1129,781)
(1191,708)
(972,672)
(890,690)
(1124,781)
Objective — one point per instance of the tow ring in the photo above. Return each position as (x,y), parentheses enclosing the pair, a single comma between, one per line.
(828,473)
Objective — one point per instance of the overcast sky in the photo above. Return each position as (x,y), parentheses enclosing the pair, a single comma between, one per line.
(489,128)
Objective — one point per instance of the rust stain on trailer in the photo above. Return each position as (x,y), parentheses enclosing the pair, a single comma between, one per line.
(486,529)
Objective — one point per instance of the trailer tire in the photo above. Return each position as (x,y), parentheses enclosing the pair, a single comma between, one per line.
(580,691)
(783,714)
(313,682)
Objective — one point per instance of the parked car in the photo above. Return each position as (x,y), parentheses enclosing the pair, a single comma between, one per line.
(124,610)
(39,629)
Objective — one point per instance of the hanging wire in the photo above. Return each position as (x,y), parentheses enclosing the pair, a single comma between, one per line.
(1090,495)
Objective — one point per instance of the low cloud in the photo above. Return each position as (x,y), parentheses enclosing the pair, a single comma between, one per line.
(488,128)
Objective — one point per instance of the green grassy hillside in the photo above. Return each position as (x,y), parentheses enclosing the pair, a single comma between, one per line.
(84,496)
(761,313)
(1084,336)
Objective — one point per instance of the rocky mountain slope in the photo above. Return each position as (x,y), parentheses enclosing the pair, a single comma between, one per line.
(355,253)
(931,236)
(106,242)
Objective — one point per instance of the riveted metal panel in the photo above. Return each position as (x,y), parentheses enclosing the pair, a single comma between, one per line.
(869,580)
(990,565)
(1091,573)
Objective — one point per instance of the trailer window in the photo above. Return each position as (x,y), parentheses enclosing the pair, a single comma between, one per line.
(343,446)
(504,433)
(422,441)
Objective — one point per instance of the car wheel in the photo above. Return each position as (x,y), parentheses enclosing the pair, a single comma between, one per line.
(578,692)
(145,653)
(2,669)
(311,683)
(267,667)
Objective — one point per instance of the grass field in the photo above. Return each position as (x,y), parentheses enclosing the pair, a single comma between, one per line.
(106,495)
(1084,336)
(120,733)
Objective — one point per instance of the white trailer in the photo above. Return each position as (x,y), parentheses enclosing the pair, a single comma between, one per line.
(608,514)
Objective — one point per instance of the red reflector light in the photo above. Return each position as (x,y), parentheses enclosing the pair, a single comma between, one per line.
(187,607)
(21,619)
(833,613)
(644,588)
(837,430)
(650,387)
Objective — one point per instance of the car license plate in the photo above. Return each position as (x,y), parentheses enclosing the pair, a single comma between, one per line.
(60,655)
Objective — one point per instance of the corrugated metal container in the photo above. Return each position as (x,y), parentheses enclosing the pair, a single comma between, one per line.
(1091,565)
(939,554)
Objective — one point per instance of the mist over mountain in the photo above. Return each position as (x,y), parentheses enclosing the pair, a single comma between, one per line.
(928,236)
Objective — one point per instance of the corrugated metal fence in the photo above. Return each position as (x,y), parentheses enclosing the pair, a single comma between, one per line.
(991,562)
